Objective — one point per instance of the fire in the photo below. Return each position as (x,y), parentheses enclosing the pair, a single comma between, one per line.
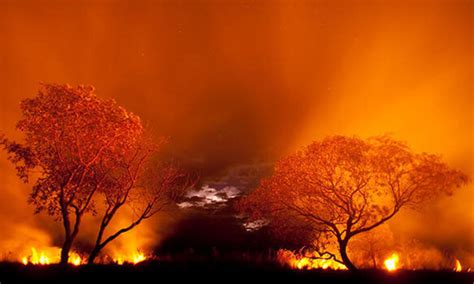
(391,263)
(139,257)
(52,255)
(135,258)
(310,263)
(458,267)
(119,260)
(75,260)
(37,258)
(24,260)
(298,261)
(48,256)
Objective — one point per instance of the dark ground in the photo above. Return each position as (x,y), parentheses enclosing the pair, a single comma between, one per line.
(213,272)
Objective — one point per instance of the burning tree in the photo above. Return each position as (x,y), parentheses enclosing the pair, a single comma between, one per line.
(340,187)
(74,142)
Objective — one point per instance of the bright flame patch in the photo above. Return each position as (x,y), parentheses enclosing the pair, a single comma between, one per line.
(49,255)
(391,263)
(299,261)
(458,267)
(135,258)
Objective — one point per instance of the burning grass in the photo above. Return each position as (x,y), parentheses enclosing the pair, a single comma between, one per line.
(308,260)
(302,260)
(51,255)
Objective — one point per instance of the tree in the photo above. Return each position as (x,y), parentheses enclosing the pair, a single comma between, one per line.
(343,186)
(147,190)
(73,139)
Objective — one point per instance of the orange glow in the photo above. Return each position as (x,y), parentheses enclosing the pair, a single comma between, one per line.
(391,263)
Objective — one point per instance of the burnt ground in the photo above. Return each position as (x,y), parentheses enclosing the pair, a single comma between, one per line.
(214,272)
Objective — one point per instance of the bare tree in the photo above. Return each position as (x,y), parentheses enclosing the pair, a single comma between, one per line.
(145,187)
(343,186)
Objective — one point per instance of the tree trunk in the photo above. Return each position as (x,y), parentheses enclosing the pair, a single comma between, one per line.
(93,255)
(345,258)
(69,237)
(65,250)
(374,261)
(99,244)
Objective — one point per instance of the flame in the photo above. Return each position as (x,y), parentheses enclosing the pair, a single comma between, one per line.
(298,261)
(139,257)
(24,260)
(38,258)
(119,260)
(49,255)
(458,267)
(134,258)
(391,262)
(310,263)
(75,260)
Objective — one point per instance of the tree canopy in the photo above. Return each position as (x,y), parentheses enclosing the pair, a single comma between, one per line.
(81,148)
(342,186)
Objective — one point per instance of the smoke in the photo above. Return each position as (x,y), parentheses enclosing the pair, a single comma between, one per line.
(250,81)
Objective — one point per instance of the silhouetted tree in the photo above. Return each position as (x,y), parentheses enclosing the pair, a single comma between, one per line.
(343,186)
(73,140)
(144,186)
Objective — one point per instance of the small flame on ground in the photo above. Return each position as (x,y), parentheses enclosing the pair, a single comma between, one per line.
(24,260)
(310,263)
(135,258)
(46,256)
(138,258)
(37,258)
(391,263)
(458,267)
(75,260)
(51,255)
(298,261)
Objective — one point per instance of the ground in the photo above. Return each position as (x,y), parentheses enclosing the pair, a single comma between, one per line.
(210,272)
